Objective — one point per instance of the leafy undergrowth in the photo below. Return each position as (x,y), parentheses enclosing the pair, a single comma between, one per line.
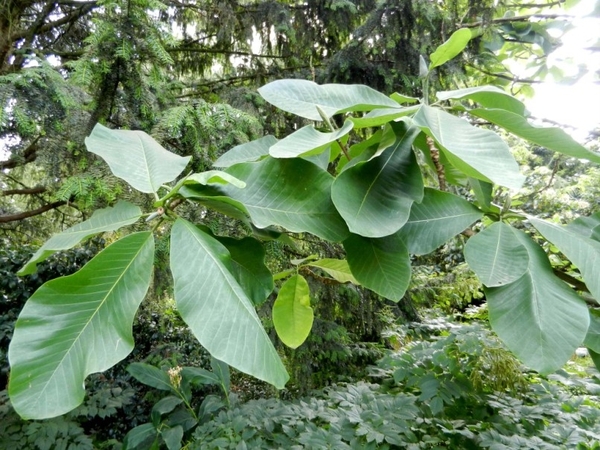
(445,385)
(457,388)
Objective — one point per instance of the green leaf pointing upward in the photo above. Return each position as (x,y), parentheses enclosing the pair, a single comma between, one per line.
(451,48)
(107,219)
(214,305)
(77,325)
(135,157)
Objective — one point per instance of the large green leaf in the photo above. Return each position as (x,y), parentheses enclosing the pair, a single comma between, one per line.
(439,217)
(555,139)
(77,325)
(382,265)
(483,192)
(374,197)
(247,152)
(136,157)
(291,193)
(308,141)
(451,48)
(107,219)
(338,269)
(592,338)
(382,116)
(302,97)
(581,251)
(539,317)
(476,152)
(487,96)
(587,226)
(496,255)
(217,309)
(248,267)
(292,314)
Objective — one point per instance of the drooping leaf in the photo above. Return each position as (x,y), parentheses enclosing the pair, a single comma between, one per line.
(248,267)
(247,152)
(150,376)
(451,48)
(338,269)
(221,370)
(77,325)
(374,197)
(581,251)
(496,255)
(307,141)
(483,192)
(539,317)
(555,139)
(291,193)
(592,338)
(292,314)
(197,375)
(216,308)
(302,97)
(166,404)
(382,264)
(136,157)
(486,96)
(478,153)
(401,98)
(439,217)
(107,219)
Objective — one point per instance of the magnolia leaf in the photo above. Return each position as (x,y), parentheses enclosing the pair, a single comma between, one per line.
(307,141)
(439,217)
(539,317)
(136,157)
(291,193)
(382,265)
(451,48)
(374,197)
(581,251)
(379,117)
(338,269)
(592,338)
(77,325)
(486,96)
(107,219)
(247,152)
(302,97)
(478,153)
(587,226)
(555,139)
(401,98)
(216,308)
(483,192)
(248,267)
(292,314)
(215,177)
(496,255)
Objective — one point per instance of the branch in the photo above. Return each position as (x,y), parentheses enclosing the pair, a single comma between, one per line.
(540,5)
(86,8)
(514,78)
(29,155)
(35,212)
(435,157)
(224,52)
(30,191)
(523,18)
